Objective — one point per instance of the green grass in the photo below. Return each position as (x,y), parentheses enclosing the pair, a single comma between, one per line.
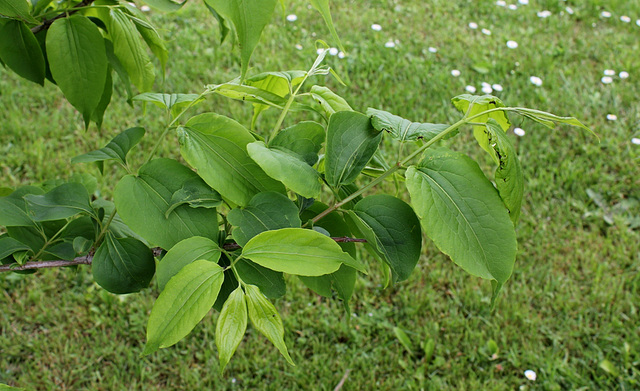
(571,302)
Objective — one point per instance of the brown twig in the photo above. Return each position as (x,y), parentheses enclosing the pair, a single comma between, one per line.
(344,378)
(47,22)
(87,259)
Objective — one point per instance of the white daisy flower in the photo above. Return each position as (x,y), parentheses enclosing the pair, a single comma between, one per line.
(432,50)
(512,44)
(606,80)
(496,87)
(487,89)
(569,10)
(341,55)
(531,375)
(544,14)
(298,46)
(609,72)
(612,117)
(320,51)
(390,44)
(605,14)
(501,3)
(513,7)
(486,31)
(292,17)
(473,25)
(455,73)
(635,141)
(535,80)
(519,132)
(624,75)
(333,51)
(523,2)
(638,22)
(470,89)
(145,8)
(625,19)
(376,27)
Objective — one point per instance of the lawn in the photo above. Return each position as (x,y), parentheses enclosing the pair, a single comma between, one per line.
(569,312)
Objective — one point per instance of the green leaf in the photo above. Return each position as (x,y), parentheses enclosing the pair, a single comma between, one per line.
(119,68)
(64,201)
(249,94)
(215,145)
(123,265)
(149,34)
(397,232)
(143,200)
(286,168)
(279,83)
(128,48)
(20,51)
(304,139)
(270,282)
(266,320)
(173,102)
(166,5)
(186,299)
(266,211)
(549,120)
(98,114)
(13,207)
(609,367)
(402,129)
(116,149)
(323,7)
(222,24)
(249,17)
(472,105)
(184,253)
(4,387)
(329,100)
(463,214)
(508,177)
(17,9)
(196,194)
(351,142)
(82,245)
(9,246)
(404,339)
(231,326)
(78,62)
(298,251)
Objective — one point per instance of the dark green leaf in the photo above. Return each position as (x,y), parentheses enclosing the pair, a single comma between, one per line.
(143,200)
(196,194)
(117,66)
(20,51)
(116,149)
(397,232)
(266,211)
(64,201)
(249,18)
(13,207)
(149,34)
(549,119)
(266,320)
(184,253)
(305,139)
(463,214)
(81,245)
(16,9)
(298,251)
(270,282)
(286,168)
(186,299)
(76,53)
(329,100)
(402,129)
(123,265)
(98,114)
(509,177)
(231,326)
(216,146)
(9,245)
(173,102)
(351,142)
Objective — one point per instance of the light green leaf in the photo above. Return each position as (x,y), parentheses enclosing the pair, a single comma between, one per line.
(304,139)
(323,7)
(402,129)
(13,207)
(20,51)
(215,145)
(286,168)
(404,339)
(266,211)
(249,94)
(279,83)
(128,48)
(143,200)
(329,100)
(9,245)
(351,142)
(222,24)
(249,18)
(149,34)
(298,251)
(472,105)
(463,214)
(116,149)
(4,387)
(166,5)
(184,253)
(196,194)
(173,102)
(64,201)
(549,120)
(231,326)
(16,9)
(397,232)
(508,177)
(186,299)
(123,265)
(78,62)
(266,320)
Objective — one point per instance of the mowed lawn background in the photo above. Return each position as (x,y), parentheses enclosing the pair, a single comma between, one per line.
(570,310)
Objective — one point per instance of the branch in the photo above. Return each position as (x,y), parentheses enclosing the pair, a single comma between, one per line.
(47,22)
(87,259)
